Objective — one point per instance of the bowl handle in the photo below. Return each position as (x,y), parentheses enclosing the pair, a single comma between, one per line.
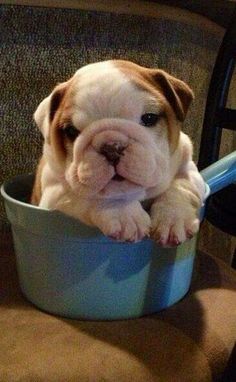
(221,173)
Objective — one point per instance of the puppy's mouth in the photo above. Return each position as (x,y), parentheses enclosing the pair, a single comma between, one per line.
(118,177)
(120,188)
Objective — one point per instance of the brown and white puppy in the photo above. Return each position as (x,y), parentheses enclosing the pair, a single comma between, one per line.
(112,140)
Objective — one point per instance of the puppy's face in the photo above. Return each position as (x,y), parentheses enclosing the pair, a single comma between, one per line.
(112,128)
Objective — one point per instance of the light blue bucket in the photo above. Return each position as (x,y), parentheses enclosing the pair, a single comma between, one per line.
(72,270)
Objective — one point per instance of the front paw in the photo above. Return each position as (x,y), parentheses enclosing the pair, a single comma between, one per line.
(172,226)
(130,224)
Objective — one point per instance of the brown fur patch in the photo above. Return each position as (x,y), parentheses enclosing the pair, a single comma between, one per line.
(173,95)
(60,112)
(37,188)
(176,91)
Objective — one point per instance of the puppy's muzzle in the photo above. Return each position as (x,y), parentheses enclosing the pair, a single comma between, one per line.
(112,152)
(110,137)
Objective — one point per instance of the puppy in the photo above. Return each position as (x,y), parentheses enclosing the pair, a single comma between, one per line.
(113,140)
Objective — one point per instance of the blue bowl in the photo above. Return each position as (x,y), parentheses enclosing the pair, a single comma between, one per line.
(72,270)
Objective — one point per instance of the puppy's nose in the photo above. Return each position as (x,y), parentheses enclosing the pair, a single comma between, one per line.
(112,152)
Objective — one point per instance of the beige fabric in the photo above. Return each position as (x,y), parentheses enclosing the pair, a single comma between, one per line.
(39,347)
(190,341)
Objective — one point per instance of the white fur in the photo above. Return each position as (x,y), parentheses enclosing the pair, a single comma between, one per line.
(107,107)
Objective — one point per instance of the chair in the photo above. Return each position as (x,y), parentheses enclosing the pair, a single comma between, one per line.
(192,341)
(221,210)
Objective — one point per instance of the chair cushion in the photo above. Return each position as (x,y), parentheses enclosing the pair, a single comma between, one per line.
(190,341)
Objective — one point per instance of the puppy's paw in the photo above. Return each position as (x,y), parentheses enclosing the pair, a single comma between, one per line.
(172,226)
(173,233)
(125,224)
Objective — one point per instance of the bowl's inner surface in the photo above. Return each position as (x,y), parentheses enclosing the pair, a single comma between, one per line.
(20,188)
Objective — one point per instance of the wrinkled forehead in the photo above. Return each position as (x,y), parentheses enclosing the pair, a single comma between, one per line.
(110,89)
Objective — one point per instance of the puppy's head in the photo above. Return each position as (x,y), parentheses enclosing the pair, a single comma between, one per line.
(112,128)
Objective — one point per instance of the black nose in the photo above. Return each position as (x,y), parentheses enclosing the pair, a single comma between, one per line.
(112,152)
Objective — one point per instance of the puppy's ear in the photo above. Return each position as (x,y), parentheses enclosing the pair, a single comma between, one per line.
(177,92)
(46,110)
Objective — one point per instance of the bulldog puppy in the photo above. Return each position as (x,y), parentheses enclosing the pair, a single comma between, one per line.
(112,139)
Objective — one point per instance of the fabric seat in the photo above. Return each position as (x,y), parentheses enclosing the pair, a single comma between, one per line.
(191,341)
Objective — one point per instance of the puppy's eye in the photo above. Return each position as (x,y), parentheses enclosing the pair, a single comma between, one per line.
(149,119)
(71,132)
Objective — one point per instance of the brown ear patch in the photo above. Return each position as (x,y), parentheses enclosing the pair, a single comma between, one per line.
(177,92)
(59,114)
(56,100)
